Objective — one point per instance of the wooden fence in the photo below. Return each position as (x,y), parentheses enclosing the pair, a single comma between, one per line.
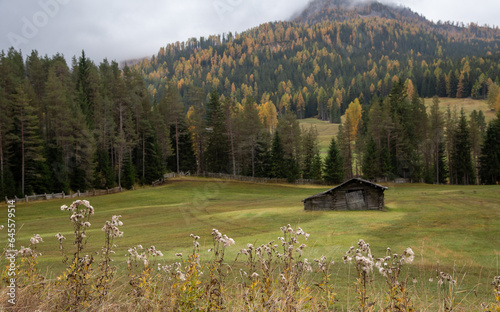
(263,180)
(28,198)
(169,175)
(257,180)
(233,177)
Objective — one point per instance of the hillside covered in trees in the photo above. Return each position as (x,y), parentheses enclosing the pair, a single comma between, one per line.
(230,103)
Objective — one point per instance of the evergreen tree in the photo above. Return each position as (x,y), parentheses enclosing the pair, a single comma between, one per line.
(173,112)
(291,169)
(333,171)
(490,153)
(250,127)
(462,160)
(278,165)
(476,140)
(451,84)
(28,143)
(440,166)
(370,160)
(85,89)
(451,122)
(263,155)
(436,136)
(290,134)
(344,146)
(128,174)
(441,87)
(385,159)
(233,124)
(310,148)
(59,178)
(316,168)
(77,177)
(216,154)
(197,123)
(5,128)
(184,160)
(104,175)
(154,167)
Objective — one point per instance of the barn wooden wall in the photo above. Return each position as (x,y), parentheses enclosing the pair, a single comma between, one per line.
(336,200)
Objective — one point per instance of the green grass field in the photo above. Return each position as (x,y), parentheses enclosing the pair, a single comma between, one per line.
(458,226)
(325,129)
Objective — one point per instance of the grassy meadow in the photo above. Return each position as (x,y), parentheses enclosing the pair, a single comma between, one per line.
(325,130)
(458,226)
(467,104)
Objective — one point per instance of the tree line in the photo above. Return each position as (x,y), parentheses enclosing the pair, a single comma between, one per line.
(73,128)
(93,126)
(87,126)
(399,136)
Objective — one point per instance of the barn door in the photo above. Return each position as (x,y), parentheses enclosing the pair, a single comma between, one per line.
(355,200)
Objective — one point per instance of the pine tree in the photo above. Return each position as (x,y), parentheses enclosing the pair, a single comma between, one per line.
(310,148)
(278,166)
(333,171)
(173,112)
(104,175)
(462,160)
(436,136)
(263,155)
(125,131)
(440,166)
(451,84)
(154,167)
(441,86)
(476,140)
(232,119)
(216,154)
(385,159)
(291,169)
(490,153)
(316,168)
(184,160)
(370,160)
(59,178)
(451,122)
(28,143)
(85,89)
(344,145)
(5,128)
(250,128)
(197,123)
(128,175)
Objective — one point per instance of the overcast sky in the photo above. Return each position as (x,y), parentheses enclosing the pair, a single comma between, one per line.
(125,29)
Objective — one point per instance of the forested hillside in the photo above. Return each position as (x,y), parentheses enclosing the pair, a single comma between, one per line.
(230,103)
(322,60)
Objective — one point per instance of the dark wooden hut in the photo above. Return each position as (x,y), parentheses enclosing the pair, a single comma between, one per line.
(354,194)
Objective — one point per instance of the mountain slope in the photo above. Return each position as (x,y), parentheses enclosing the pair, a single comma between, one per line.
(328,55)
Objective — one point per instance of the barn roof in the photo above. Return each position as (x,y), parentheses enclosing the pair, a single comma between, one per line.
(347,182)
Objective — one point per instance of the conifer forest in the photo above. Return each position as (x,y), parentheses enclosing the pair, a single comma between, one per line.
(231,103)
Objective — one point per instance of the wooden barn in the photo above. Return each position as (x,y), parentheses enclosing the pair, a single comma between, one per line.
(354,194)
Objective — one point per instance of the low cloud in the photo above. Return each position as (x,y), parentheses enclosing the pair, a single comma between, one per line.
(120,30)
